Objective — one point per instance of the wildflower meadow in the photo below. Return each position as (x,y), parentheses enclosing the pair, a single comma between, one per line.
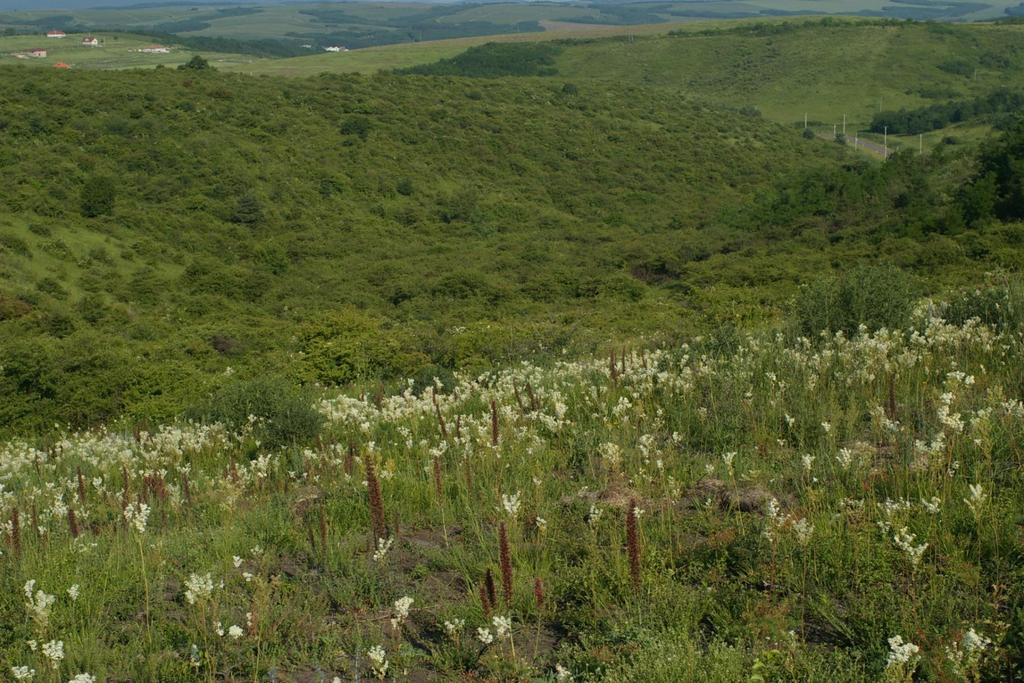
(761,508)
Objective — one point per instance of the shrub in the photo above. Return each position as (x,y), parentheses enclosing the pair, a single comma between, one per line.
(873,296)
(197,63)
(1000,305)
(285,411)
(98,195)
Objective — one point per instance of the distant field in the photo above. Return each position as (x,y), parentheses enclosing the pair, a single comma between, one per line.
(117,51)
(385,57)
(358,24)
(823,72)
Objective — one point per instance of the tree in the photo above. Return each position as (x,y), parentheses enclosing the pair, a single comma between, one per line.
(197,63)
(98,195)
(249,210)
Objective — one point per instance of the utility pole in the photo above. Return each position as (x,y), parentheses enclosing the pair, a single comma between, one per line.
(805,120)
(920,143)
(844,125)
(833,130)
(885,143)
(856,140)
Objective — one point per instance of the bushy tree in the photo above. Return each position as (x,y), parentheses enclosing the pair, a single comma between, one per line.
(97,197)
(197,63)
(873,296)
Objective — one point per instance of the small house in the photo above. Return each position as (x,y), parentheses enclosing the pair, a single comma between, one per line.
(90,41)
(56,34)
(155,50)
(38,52)
(336,48)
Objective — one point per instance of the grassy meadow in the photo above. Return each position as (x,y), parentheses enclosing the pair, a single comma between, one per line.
(841,508)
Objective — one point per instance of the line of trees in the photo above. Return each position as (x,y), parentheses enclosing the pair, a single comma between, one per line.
(936,116)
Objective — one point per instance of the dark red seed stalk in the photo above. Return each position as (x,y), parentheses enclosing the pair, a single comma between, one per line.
(538,593)
(15,533)
(485,601)
(533,397)
(519,399)
(494,423)
(377,522)
(186,489)
(72,522)
(506,564)
(492,594)
(350,459)
(633,543)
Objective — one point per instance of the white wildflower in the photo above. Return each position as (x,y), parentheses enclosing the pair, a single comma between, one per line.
(484,636)
(198,587)
(900,653)
(378,661)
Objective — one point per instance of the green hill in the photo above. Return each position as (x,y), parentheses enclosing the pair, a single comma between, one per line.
(254,217)
(822,69)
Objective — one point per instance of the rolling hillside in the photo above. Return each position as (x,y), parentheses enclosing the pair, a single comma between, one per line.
(247,209)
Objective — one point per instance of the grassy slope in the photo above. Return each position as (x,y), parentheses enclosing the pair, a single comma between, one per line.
(775,492)
(118,51)
(823,72)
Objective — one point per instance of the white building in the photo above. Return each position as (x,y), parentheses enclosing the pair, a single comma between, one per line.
(56,34)
(336,48)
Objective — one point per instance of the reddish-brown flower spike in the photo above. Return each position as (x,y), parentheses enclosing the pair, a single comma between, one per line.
(506,564)
(633,543)
(494,423)
(538,593)
(72,522)
(15,533)
(350,459)
(485,601)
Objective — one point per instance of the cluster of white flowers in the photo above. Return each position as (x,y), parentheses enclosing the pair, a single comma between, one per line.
(905,541)
(484,635)
(511,503)
(137,514)
(900,652)
(22,673)
(198,587)
(383,548)
(54,651)
(502,626)
(454,628)
(378,661)
(38,603)
(966,655)
(976,502)
(402,606)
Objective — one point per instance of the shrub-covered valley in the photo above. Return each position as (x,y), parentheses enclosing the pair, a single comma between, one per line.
(439,377)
